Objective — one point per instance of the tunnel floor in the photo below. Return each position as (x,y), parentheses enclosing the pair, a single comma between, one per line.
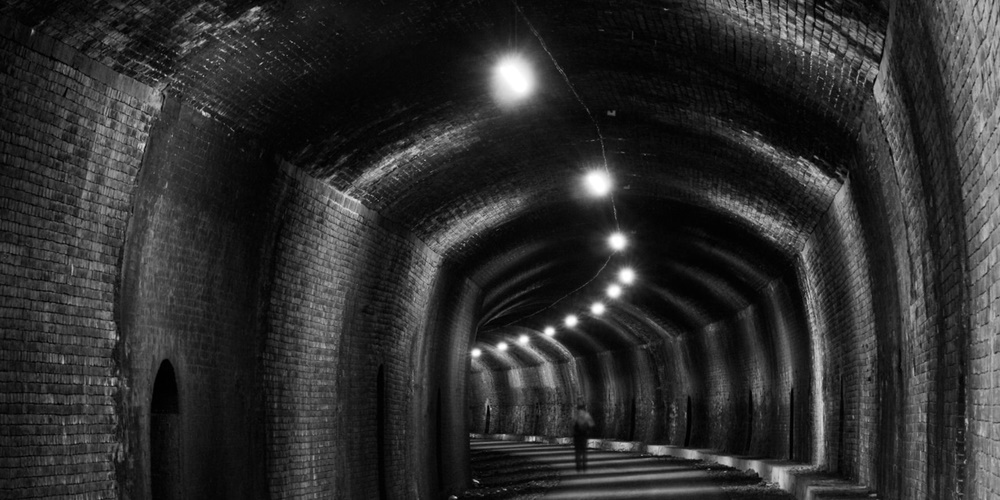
(514,470)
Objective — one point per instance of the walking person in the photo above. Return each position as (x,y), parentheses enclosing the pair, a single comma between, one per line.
(583,424)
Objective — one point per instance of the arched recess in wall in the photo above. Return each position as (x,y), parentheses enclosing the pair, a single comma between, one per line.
(166,479)
(439,437)
(749,444)
(791,424)
(840,428)
(631,426)
(380,430)
(486,428)
(688,417)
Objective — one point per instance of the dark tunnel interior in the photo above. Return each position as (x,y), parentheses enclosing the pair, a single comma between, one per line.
(267,249)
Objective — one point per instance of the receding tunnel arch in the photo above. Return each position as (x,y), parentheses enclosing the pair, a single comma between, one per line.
(575,250)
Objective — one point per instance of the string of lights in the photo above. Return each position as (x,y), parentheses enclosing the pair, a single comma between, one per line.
(514,81)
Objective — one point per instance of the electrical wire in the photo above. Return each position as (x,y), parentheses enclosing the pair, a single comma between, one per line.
(604,157)
(572,89)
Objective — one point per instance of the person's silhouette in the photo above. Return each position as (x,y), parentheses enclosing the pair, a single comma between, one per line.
(583,424)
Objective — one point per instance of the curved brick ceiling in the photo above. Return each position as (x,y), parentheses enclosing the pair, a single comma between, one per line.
(724,124)
(695,268)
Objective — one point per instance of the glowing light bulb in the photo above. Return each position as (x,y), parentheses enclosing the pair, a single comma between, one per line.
(513,79)
(571,320)
(550,331)
(476,353)
(626,276)
(523,340)
(614,291)
(598,183)
(502,346)
(617,241)
(597,309)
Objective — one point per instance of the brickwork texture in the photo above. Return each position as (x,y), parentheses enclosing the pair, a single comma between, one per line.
(312,211)
(72,136)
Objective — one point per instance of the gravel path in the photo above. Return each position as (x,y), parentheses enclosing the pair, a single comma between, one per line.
(514,470)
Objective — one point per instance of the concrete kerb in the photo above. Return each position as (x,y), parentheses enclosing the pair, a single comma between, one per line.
(804,481)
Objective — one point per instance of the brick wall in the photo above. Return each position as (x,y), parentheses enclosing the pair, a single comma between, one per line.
(134,235)
(970,39)
(916,361)
(835,276)
(718,405)
(72,135)
(930,142)
(350,294)
(444,358)
(741,374)
(748,370)
(880,197)
(189,295)
(277,300)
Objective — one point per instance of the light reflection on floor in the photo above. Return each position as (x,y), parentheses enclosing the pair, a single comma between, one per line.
(515,470)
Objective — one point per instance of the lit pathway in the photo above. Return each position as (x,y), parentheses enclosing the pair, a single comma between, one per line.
(515,470)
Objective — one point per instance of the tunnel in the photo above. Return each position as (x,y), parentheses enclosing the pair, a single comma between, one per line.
(256,249)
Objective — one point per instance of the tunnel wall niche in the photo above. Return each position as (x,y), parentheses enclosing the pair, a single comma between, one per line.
(166,476)
(72,135)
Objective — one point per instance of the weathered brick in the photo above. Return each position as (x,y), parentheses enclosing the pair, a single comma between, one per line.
(60,382)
